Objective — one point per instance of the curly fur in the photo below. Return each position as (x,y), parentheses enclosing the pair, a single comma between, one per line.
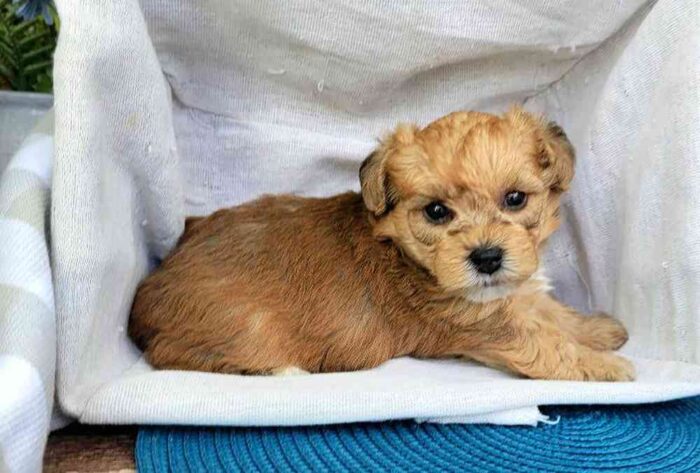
(347,282)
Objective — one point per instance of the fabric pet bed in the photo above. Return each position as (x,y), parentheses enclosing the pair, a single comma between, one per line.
(167,108)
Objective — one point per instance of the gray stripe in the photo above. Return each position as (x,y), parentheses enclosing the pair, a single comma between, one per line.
(28,330)
(23,196)
(17,180)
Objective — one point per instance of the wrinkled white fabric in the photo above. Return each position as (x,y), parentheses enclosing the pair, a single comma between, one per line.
(27,318)
(171,108)
(24,417)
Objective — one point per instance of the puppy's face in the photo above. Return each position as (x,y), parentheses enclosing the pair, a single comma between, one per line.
(471,197)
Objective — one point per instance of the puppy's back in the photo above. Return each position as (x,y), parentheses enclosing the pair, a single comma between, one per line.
(211,304)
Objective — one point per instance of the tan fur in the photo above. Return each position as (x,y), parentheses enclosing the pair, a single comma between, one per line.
(348,282)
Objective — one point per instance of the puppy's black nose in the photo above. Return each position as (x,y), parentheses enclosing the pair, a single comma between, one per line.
(487,259)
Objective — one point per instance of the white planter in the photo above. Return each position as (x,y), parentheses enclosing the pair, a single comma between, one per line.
(19,112)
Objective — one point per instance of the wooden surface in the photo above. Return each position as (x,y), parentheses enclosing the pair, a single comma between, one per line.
(83,449)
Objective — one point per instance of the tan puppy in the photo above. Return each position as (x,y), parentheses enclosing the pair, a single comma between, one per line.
(438,257)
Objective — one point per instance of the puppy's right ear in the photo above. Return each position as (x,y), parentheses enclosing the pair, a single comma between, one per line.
(374,180)
(377,191)
(557,157)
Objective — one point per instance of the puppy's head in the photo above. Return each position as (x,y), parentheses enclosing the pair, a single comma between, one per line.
(471,197)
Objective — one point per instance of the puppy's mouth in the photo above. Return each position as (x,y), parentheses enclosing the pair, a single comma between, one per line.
(492,283)
(490,291)
(501,277)
(488,288)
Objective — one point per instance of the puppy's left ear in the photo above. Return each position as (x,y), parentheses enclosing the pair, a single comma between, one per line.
(373,181)
(378,193)
(555,153)
(557,157)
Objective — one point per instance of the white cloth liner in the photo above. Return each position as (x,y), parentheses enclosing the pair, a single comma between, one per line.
(435,391)
(175,107)
(188,107)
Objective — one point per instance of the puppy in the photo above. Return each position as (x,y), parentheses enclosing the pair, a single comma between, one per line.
(436,258)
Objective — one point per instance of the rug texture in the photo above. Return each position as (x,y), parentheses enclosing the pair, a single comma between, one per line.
(663,437)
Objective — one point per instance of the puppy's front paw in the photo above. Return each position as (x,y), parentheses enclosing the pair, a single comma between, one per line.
(602,332)
(597,366)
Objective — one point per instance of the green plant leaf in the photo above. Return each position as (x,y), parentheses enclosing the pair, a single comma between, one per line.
(3,40)
(37,67)
(28,40)
(21,28)
(37,52)
(5,72)
(56,19)
(7,54)
(43,84)
(26,49)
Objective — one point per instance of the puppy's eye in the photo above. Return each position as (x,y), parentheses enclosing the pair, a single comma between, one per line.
(436,212)
(514,200)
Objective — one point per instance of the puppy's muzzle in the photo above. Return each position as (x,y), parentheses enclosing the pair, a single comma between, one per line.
(487,259)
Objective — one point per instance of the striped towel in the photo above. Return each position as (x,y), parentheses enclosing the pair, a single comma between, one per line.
(27,320)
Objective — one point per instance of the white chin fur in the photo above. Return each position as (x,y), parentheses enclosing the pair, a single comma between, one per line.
(490,293)
(538,282)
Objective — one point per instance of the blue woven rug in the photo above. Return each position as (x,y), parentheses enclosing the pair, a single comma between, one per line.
(662,437)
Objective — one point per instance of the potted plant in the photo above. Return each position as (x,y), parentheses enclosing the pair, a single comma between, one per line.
(28,32)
